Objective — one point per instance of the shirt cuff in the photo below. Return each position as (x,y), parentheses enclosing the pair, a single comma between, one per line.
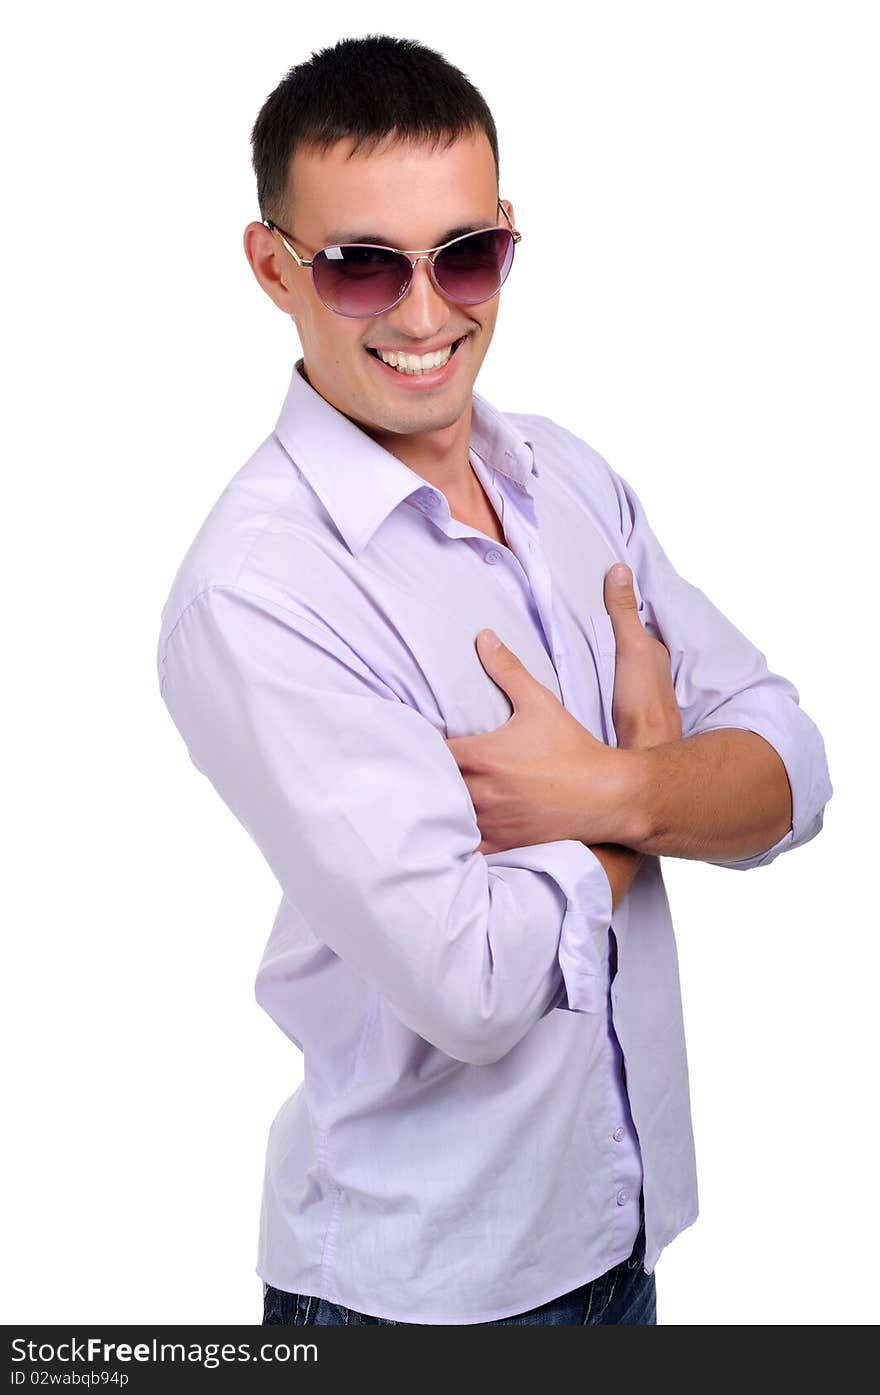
(583,939)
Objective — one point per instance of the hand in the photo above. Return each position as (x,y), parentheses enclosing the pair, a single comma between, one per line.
(644,707)
(541,776)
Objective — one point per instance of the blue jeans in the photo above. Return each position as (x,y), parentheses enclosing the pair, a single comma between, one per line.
(625,1294)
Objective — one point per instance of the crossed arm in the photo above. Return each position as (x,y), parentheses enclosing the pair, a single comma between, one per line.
(715,760)
(720,795)
(305,744)
(717,796)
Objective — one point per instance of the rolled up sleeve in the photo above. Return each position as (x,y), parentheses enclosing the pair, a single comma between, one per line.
(722,680)
(362,814)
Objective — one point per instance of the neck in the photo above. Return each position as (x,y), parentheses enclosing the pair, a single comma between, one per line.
(441,456)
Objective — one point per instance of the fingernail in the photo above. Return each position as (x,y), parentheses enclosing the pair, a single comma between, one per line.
(489,639)
(619,574)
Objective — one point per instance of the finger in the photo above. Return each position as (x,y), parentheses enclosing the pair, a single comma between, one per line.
(620,602)
(505,669)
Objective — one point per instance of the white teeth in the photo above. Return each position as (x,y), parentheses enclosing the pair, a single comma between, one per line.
(416,363)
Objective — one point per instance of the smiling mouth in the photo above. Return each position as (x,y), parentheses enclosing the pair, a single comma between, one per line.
(455,346)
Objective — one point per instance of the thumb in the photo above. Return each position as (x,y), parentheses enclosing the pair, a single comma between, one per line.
(620,601)
(503,666)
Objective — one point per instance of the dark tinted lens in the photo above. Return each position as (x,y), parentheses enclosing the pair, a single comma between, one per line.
(360,280)
(473,267)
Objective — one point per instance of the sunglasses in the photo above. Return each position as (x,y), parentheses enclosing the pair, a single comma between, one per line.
(361,279)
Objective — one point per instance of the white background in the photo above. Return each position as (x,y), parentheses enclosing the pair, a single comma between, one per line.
(710,172)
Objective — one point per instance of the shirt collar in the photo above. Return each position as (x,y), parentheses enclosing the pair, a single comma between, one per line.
(357,480)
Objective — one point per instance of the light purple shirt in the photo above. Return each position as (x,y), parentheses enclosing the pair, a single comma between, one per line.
(465,1143)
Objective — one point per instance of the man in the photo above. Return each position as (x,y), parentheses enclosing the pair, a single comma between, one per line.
(474,931)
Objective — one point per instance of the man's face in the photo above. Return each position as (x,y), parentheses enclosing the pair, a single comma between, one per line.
(406,196)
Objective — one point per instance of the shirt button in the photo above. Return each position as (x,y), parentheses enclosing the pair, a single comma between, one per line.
(617,1134)
(492,556)
(431,501)
(622,1197)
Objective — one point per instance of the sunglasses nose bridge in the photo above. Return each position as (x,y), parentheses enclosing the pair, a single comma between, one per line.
(422,257)
(414,260)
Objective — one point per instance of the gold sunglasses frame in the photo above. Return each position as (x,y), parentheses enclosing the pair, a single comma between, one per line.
(415,255)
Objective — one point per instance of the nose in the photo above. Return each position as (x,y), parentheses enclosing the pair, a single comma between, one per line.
(423,311)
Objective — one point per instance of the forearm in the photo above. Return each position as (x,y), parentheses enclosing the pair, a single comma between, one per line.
(717,794)
(621,865)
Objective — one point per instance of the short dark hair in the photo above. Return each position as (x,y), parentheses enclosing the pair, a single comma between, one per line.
(362,88)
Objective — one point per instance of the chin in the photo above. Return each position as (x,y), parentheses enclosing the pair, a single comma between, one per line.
(427,416)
